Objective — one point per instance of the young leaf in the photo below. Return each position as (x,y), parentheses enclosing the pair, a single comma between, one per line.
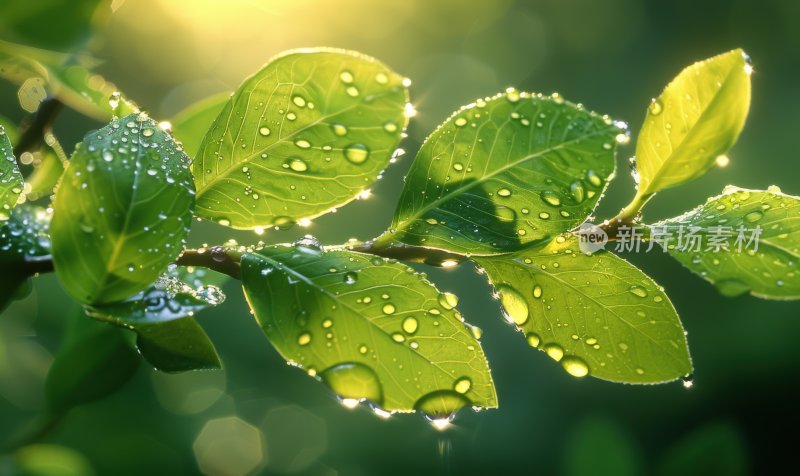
(307,133)
(741,241)
(503,173)
(167,334)
(371,329)
(25,234)
(597,315)
(11,181)
(94,361)
(697,118)
(191,124)
(121,212)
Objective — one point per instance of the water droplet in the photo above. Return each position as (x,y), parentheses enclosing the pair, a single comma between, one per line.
(398,337)
(575,366)
(356,153)
(551,198)
(381,78)
(410,325)
(460,122)
(304,338)
(753,217)
(594,179)
(346,77)
(441,405)
(351,91)
(537,291)
(640,371)
(355,381)
(462,385)
(722,161)
(514,304)
(504,192)
(554,351)
(533,339)
(390,127)
(350,277)
(297,165)
(448,300)
(638,291)
(299,101)
(656,107)
(389,308)
(339,129)
(302,143)
(577,191)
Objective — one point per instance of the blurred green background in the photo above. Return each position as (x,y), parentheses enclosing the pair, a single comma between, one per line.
(262,416)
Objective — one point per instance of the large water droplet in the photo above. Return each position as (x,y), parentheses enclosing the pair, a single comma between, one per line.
(350,277)
(575,366)
(389,308)
(441,404)
(355,381)
(410,325)
(554,351)
(448,300)
(514,304)
(356,153)
(638,291)
(304,338)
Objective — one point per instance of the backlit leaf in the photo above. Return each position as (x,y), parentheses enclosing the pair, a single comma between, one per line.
(698,117)
(305,134)
(741,241)
(503,173)
(122,211)
(597,315)
(25,234)
(371,329)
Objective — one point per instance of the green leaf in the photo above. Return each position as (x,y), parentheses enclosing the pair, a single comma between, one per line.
(94,361)
(697,118)
(305,134)
(503,173)
(162,317)
(723,253)
(11,181)
(597,315)
(191,124)
(61,77)
(25,234)
(121,212)
(371,329)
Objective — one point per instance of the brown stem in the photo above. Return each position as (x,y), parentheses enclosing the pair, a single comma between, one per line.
(35,128)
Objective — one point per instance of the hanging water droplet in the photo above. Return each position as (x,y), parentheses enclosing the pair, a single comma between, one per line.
(355,381)
(533,339)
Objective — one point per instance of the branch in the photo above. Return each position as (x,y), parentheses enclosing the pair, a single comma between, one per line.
(35,129)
